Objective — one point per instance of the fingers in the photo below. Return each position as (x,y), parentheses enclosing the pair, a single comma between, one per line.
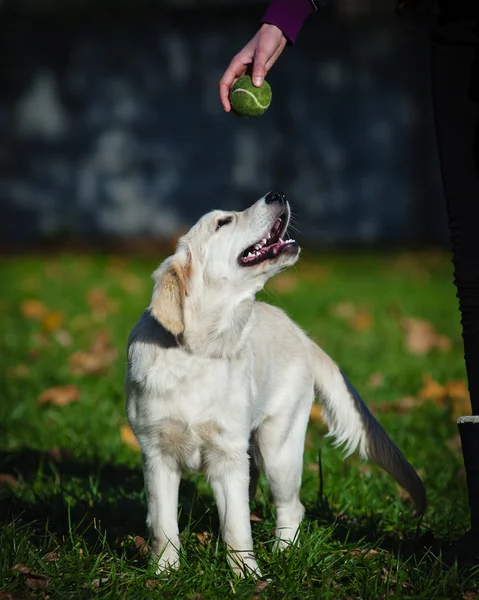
(236,69)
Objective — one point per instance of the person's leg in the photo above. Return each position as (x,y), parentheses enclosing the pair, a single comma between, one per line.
(455,87)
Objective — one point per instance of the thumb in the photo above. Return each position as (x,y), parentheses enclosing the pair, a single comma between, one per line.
(259,67)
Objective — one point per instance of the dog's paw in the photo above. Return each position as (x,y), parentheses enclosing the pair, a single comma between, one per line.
(244,565)
(166,560)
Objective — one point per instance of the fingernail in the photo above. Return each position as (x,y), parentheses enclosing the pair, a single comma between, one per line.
(257,81)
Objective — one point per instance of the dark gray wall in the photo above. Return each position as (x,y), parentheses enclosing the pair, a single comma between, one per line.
(111,125)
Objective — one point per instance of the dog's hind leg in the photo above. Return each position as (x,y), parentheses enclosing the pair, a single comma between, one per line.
(281,446)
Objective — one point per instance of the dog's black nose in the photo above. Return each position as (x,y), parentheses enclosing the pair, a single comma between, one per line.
(274,197)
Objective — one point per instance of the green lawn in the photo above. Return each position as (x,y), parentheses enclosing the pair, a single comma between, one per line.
(74,504)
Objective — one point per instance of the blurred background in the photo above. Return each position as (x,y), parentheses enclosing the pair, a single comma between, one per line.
(112,129)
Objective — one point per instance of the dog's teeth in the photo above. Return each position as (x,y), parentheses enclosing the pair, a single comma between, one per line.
(263,241)
(257,246)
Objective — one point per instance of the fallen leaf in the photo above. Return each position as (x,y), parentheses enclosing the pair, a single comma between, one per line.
(7,479)
(63,338)
(259,587)
(52,321)
(316,414)
(343,310)
(151,584)
(284,283)
(100,304)
(19,371)
(401,406)
(255,518)
(97,360)
(375,381)
(470,595)
(365,552)
(132,284)
(128,438)
(33,309)
(421,337)
(141,545)
(21,568)
(96,583)
(37,582)
(432,390)
(361,321)
(51,557)
(314,467)
(203,537)
(60,395)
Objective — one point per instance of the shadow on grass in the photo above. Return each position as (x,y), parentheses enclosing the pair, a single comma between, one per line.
(58,493)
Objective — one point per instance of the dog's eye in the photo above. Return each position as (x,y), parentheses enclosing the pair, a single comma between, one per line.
(223,222)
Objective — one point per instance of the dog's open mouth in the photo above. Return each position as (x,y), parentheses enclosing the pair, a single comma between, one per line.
(270,246)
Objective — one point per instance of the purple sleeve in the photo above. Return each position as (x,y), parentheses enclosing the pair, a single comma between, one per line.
(288,15)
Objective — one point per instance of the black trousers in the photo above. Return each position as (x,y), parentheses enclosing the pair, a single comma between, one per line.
(455,90)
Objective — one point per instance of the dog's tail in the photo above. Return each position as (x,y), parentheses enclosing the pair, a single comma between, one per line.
(351,424)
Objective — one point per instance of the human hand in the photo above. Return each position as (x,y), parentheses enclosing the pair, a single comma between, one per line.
(262,51)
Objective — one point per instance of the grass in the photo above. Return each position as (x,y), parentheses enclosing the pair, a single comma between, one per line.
(74,505)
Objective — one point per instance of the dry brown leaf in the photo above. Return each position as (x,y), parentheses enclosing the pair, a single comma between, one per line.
(100,304)
(141,545)
(51,557)
(255,518)
(97,360)
(316,414)
(52,321)
(152,584)
(259,587)
(37,582)
(7,479)
(19,371)
(21,568)
(362,320)
(60,396)
(364,552)
(314,467)
(421,337)
(63,338)
(33,309)
(375,381)
(470,595)
(344,310)
(284,283)
(128,438)
(401,406)
(203,537)
(432,390)
(130,283)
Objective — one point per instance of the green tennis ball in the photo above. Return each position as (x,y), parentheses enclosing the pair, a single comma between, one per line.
(248,100)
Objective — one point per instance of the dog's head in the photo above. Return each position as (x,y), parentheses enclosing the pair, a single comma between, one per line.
(230,254)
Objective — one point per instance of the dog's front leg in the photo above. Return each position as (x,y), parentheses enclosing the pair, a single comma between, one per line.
(162,481)
(229,483)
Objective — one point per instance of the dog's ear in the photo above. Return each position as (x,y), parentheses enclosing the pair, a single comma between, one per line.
(171,287)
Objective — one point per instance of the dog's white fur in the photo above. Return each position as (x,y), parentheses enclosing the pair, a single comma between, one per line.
(215,378)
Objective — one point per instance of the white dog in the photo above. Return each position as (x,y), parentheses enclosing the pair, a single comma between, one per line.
(221,383)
